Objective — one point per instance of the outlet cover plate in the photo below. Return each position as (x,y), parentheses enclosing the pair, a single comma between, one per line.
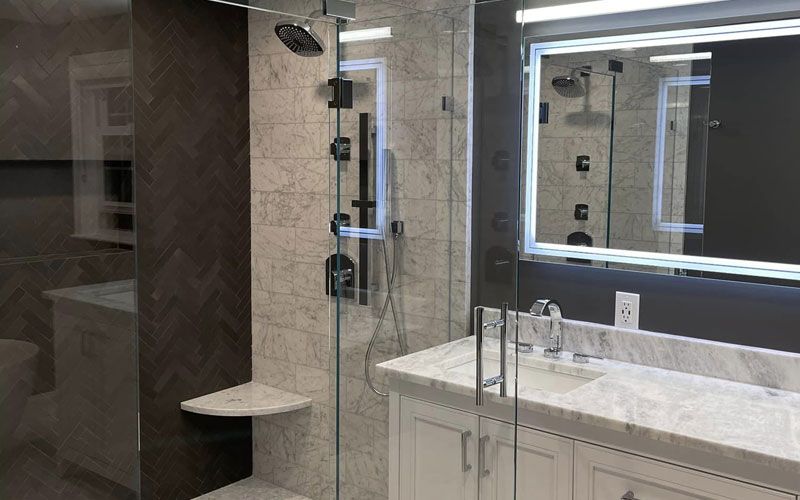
(626,310)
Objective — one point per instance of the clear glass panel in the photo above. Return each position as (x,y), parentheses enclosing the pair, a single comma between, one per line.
(403,193)
(68,367)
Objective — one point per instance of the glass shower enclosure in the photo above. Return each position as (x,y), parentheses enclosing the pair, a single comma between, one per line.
(68,368)
(401,257)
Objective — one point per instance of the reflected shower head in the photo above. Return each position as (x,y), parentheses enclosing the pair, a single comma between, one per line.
(569,86)
(300,38)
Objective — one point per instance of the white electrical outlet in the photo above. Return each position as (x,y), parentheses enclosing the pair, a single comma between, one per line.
(626,311)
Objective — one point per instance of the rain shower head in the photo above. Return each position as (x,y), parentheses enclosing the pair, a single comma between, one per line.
(300,38)
(569,85)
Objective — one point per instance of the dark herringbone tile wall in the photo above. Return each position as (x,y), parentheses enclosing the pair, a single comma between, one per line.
(193,239)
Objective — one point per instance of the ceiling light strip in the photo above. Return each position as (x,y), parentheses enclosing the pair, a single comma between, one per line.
(599,8)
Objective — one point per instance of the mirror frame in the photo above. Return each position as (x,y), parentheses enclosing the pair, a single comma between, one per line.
(532,248)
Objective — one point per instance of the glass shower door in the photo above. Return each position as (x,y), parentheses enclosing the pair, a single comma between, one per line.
(412,419)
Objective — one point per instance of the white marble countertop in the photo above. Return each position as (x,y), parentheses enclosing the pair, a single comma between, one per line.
(118,295)
(251,488)
(246,400)
(745,422)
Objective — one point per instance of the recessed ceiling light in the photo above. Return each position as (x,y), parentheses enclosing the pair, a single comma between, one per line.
(598,8)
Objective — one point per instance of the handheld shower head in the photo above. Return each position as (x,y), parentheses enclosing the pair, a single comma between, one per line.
(300,38)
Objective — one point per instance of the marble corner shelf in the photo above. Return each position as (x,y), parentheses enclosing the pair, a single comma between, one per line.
(246,400)
(251,489)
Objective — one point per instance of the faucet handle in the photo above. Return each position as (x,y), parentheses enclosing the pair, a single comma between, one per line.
(583,358)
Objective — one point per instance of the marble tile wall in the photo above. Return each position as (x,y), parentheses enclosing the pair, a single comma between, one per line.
(289,127)
(292,190)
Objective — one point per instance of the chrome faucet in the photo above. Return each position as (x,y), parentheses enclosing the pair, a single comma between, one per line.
(554,311)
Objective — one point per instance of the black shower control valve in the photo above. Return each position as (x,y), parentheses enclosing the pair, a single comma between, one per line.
(583,163)
(342,93)
(342,220)
(579,239)
(340,148)
(581,211)
(340,273)
(397,227)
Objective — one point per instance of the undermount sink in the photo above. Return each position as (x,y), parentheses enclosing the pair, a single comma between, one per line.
(533,373)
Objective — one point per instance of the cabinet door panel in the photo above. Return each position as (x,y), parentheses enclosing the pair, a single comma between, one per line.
(602,474)
(544,464)
(438,449)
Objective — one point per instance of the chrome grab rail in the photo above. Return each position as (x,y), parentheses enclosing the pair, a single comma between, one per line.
(479,326)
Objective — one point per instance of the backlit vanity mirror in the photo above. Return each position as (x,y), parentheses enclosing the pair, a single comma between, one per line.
(674,152)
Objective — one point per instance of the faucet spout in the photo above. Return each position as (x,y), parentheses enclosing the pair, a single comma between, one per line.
(552,309)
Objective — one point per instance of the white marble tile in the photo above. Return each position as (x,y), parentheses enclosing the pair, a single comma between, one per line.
(274,242)
(289,141)
(273,106)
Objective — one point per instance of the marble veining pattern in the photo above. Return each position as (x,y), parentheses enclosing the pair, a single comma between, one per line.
(248,399)
(251,489)
(751,423)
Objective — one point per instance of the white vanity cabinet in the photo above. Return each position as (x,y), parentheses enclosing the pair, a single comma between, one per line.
(438,452)
(442,453)
(450,454)
(544,463)
(603,474)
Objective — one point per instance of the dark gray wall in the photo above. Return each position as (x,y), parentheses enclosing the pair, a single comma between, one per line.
(193,240)
(753,175)
(743,313)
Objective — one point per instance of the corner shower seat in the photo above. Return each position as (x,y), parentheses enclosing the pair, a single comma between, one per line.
(251,489)
(246,400)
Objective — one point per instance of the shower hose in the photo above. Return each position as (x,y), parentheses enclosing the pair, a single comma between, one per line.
(390,276)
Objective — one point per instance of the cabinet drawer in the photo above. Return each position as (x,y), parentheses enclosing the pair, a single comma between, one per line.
(602,474)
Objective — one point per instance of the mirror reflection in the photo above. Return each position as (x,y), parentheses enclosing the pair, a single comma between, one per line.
(680,150)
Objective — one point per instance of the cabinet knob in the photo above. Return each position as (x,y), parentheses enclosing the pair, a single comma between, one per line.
(629,496)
